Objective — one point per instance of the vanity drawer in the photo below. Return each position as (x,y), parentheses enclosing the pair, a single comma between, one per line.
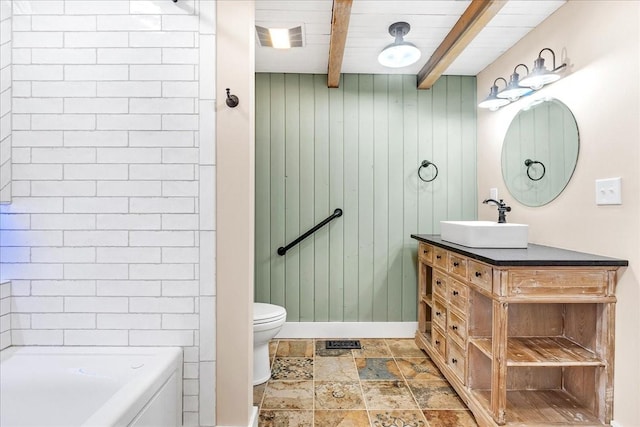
(458,266)
(557,283)
(425,253)
(456,360)
(439,284)
(458,295)
(481,275)
(438,342)
(440,313)
(457,328)
(440,258)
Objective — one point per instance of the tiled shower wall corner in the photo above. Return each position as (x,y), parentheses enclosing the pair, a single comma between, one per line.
(5,101)
(109,239)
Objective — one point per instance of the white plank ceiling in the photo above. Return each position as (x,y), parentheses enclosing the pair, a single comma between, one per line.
(368,34)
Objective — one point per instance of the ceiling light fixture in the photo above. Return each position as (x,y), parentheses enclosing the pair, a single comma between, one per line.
(514,90)
(492,102)
(280,38)
(540,76)
(400,53)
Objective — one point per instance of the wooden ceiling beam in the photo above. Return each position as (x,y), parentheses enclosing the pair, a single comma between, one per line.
(472,21)
(339,27)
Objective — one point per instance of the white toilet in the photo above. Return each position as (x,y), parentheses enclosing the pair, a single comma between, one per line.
(267,321)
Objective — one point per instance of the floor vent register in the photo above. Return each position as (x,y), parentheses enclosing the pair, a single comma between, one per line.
(343,345)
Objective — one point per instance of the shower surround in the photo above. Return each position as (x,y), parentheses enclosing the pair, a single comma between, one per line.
(109,236)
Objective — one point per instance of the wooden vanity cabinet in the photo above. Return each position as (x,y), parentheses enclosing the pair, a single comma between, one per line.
(525,336)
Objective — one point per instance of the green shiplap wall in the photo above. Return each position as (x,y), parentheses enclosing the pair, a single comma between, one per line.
(357,147)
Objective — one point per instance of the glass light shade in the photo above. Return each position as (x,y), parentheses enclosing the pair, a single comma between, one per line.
(539,78)
(398,55)
(492,102)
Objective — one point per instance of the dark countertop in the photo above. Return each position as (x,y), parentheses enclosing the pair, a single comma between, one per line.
(534,255)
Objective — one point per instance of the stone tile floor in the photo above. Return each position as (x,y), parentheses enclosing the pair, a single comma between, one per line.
(388,383)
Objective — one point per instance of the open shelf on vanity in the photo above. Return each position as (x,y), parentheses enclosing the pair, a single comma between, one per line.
(541,351)
(542,408)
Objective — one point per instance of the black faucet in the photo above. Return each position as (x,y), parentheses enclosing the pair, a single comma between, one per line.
(502,209)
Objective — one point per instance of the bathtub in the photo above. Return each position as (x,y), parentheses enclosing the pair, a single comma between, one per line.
(91,386)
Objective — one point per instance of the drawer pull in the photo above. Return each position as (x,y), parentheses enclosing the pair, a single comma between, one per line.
(438,257)
(455,293)
(454,360)
(437,342)
(454,327)
(425,251)
(456,264)
(438,282)
(438,313)
(478,274)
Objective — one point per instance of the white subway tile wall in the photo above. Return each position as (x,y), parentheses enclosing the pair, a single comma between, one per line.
(6,44)
(5,315)
(110,236)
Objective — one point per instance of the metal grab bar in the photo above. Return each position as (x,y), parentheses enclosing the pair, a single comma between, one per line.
(335,214)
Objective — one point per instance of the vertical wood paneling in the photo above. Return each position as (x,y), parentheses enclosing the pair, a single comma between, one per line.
(412,121)
(454,149)
(442,192)
(292,191)
(307,198)
(277,202)
(263,171)
(358,148)
(395,183)
(425,150)
(336,200)
(351,210)
(365,198)
(321,193)
(381,138)
(469,152)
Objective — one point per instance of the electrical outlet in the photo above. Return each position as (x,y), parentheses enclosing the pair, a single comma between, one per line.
(608,191)
(493,193)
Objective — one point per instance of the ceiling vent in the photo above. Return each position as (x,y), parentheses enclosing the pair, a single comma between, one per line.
(282,38)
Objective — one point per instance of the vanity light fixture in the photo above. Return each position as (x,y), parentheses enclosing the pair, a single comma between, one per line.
(514,89)
(399,53)
(492,102)
(540,76)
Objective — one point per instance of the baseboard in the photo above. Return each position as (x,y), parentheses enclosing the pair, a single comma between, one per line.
(348,330)
(615,424)
(254,417)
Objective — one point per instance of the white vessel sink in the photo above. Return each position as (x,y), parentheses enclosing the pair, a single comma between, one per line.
(485,234)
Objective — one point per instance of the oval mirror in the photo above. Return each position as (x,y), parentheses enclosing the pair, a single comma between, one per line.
(540,152)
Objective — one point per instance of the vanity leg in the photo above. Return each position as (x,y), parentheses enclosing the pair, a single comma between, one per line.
(499,362)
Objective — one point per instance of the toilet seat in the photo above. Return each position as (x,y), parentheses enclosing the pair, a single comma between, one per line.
(267,313)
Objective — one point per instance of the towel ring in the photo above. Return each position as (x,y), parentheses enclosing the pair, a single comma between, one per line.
(425,164)
(528,163)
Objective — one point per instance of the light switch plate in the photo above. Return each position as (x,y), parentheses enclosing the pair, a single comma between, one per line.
(609,191)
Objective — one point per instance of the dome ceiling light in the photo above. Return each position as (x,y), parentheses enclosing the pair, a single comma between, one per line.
(399,53)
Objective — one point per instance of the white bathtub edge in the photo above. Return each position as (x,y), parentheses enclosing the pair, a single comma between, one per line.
(118,408)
